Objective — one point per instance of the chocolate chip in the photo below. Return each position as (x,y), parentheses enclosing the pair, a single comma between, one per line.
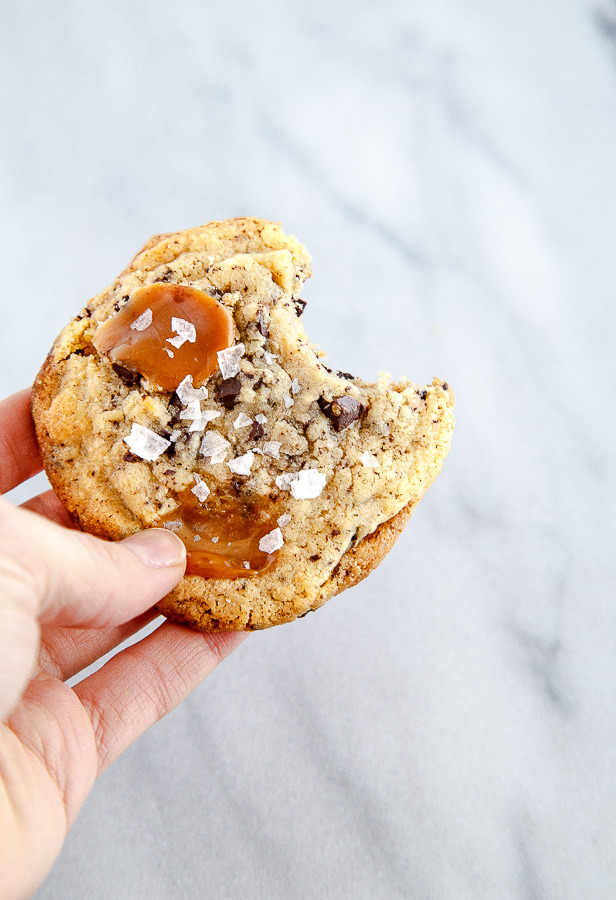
(168,275)
(261,324)
(258,383)
(300,306)
(228,391)
(315,557)
(257,431)
(128,376)
(169,472)
(445,386)
(346,375)
(130,457)
(341,411)
(422,394)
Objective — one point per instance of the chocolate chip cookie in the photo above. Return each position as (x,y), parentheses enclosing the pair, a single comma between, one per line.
(188,396)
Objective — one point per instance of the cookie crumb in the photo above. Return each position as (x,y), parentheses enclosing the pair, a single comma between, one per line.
(369,460)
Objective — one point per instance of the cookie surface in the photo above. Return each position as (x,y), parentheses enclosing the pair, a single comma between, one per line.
(295,477)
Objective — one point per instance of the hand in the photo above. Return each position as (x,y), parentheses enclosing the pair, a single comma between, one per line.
(66,599)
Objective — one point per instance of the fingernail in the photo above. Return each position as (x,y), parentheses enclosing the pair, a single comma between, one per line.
(157,548)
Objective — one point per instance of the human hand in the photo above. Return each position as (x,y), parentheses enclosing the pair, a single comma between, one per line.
(66,599)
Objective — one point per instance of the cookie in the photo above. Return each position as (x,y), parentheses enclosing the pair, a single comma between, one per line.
(187,396)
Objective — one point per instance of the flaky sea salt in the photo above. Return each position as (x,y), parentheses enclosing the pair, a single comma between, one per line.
(175,434)
(201,491)
(261,419)
(169,352)
(229,360)
(185,331)
(246,564)
(288,402)
(218,457)
(242,465)
(242,421)
(304,485)
(143,321)
(308,485)
(214,540)
(213,443)
(186,392)
(272,541)
(269,357)
(285,480)
(145,443)
(368,460)
(295,386)
(272,448)
(192,411)
(284,519)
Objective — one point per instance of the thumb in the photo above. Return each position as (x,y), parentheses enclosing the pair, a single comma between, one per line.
(73,579)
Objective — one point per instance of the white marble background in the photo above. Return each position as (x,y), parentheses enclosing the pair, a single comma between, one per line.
(448,728)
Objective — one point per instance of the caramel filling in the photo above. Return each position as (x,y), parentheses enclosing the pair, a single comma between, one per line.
(221,542)
(166,332)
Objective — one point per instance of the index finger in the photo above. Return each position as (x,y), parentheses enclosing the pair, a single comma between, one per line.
(19,453)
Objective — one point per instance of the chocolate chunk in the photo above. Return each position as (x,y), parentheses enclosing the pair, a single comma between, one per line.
(422,394)
(258,383)
(128,376)
(445,386)
(261,324)
(228,391)
(346,375)
(257,431)
(300,306)
(130,457)
(341,411)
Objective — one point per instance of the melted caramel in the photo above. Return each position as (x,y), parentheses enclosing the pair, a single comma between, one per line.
(220,541)
(149,351)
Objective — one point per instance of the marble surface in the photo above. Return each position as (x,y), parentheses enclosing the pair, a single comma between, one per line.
(448,728)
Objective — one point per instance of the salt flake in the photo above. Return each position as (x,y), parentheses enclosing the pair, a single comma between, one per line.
(242,421)
(175,434)
(284,519)
(242,465)
(192,411)
(308,485)
(304,485)
(272,541)
(261,419)
(229,360)
(145,443)
(143,321)
(269,357)
(201,491)
(185,331)
(295,386)
(212,443)
(186,392)
(272,448)
(288,402)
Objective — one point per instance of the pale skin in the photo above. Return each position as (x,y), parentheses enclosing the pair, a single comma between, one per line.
(66,599)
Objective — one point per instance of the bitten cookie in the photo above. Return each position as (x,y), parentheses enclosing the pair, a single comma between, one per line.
(187,396)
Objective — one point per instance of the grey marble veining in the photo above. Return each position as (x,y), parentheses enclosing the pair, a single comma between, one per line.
(447,728)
